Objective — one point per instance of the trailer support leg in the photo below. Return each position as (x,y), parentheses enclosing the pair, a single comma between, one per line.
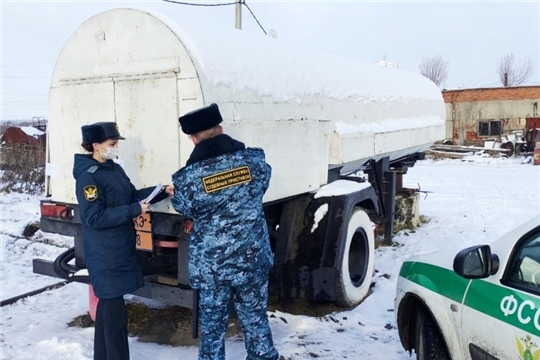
(385,184)
(390,205)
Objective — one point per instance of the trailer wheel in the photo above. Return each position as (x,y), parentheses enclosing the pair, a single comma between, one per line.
(509,148)
(356,267)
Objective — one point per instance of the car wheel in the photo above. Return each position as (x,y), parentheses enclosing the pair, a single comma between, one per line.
(356,268)
(429,344)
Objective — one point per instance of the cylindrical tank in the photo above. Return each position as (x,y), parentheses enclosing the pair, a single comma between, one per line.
(536,155)
(309,111)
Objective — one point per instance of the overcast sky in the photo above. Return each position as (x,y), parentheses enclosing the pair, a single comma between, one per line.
(472,37)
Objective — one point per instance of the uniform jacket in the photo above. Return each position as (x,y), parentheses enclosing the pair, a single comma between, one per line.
(108,203)
(221,190)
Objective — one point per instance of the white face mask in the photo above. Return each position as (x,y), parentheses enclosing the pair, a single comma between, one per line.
(110,154)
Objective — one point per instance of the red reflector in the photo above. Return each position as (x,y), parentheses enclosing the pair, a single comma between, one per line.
(54,210)
(166,244)
(187,226)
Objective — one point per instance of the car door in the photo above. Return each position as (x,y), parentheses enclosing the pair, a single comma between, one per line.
(501,314)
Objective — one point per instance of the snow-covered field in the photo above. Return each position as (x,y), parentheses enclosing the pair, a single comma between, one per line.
(471,202)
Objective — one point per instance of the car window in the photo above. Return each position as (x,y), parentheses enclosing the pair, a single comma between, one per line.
(525,265)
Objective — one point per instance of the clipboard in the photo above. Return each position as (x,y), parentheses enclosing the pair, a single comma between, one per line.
(158,189)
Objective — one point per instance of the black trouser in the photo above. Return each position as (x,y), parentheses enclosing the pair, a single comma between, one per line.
(110,337)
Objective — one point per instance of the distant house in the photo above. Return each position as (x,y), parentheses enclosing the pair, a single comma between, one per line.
(484,113)
(23,135)
(389,64)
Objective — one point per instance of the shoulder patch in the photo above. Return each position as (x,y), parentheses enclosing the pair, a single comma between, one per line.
(90,192)
(92,169)
(226,179)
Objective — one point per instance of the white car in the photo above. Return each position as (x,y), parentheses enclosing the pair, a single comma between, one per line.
(482,304)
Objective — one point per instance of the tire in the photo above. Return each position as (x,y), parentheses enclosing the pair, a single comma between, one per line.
(86,320)
(509,148)
(448,142)
(356,268)
(428,342)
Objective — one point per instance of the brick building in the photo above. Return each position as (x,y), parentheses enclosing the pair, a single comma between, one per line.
(484,113)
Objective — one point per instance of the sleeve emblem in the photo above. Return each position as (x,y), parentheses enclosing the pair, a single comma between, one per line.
(90,192)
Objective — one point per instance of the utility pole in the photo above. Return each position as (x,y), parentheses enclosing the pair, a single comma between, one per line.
(238,14)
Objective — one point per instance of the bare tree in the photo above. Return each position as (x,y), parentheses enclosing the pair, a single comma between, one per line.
(434,68)
(513,74)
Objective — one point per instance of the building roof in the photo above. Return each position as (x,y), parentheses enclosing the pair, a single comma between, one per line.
(531,92)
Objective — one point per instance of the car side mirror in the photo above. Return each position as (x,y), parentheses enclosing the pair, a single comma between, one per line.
(476,262)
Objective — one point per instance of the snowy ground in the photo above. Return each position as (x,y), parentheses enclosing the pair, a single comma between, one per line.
(471,202)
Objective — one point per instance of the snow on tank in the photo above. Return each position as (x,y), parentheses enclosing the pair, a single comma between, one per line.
(309,111)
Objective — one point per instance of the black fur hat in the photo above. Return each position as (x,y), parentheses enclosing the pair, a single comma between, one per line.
(201,119)
(99,132)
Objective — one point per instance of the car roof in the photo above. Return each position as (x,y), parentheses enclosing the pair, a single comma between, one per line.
(521,230)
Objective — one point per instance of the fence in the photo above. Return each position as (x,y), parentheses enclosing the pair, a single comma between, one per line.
(23,169)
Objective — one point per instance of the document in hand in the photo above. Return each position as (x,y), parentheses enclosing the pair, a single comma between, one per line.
(155,192)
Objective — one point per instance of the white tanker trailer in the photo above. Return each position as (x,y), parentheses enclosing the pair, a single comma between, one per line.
(319,118)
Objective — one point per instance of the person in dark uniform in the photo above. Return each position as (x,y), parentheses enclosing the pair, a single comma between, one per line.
(108,202)
(223,184)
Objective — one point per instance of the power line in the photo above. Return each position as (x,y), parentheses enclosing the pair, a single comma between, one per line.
(496,73)
(495,83)
(20,94)
(537,50)
(487,77)
(26,77)
(196,4)
(264,31)
(27,67)
(242,2)
(24,102)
